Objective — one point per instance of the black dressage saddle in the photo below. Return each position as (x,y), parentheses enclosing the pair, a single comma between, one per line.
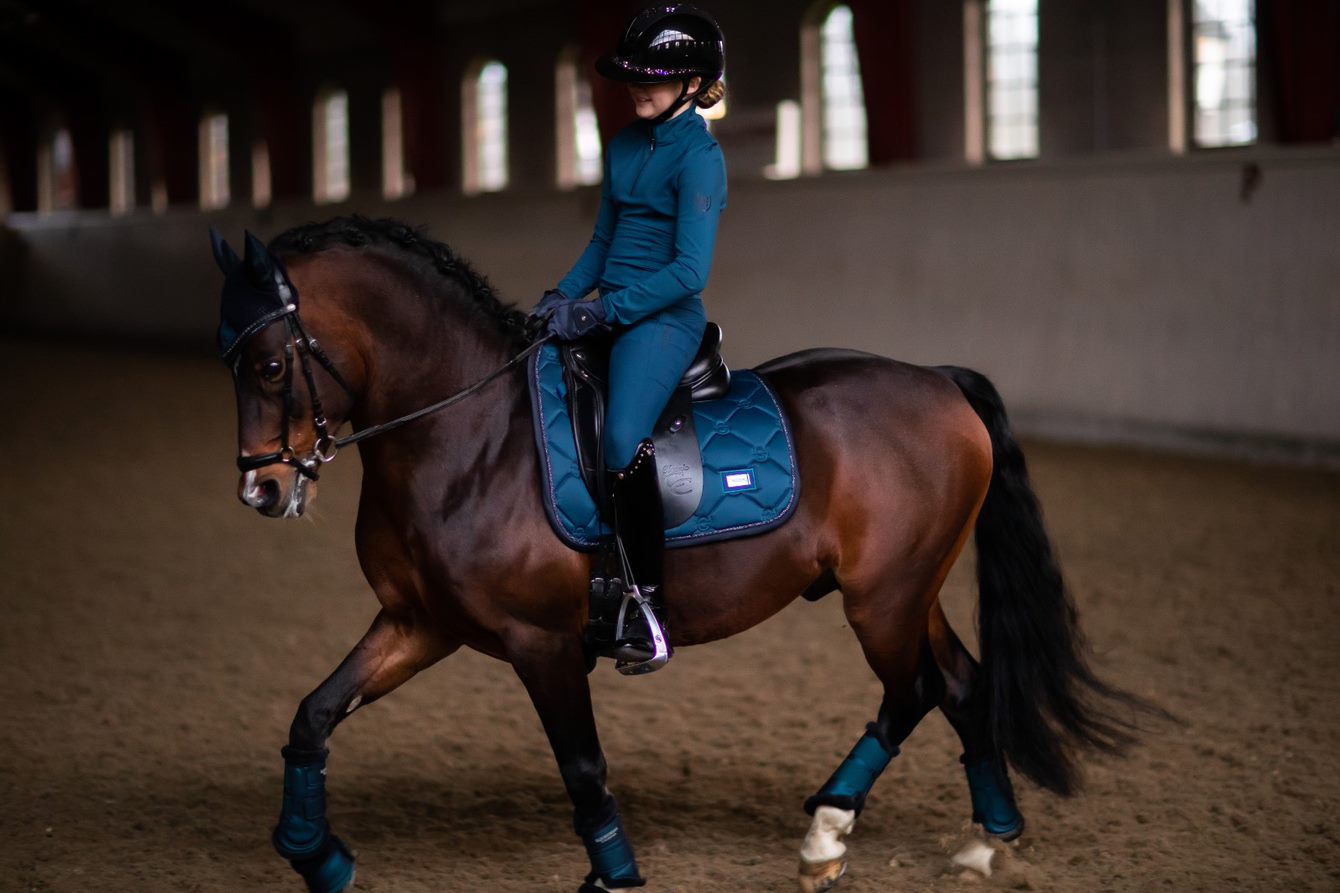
(678,460)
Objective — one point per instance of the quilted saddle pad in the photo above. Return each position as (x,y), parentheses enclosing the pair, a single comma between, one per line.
(750,484)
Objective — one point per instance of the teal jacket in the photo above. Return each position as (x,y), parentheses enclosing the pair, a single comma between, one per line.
(663,192)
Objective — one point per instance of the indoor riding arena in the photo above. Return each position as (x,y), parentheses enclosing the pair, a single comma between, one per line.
(1122,212)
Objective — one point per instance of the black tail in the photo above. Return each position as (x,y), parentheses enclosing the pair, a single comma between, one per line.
(1045,701)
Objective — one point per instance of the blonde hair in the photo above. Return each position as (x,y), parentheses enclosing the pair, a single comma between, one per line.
(710,95)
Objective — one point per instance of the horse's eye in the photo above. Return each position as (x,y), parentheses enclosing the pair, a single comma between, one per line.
(272,371)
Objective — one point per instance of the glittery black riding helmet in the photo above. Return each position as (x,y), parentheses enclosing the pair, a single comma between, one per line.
(673,42)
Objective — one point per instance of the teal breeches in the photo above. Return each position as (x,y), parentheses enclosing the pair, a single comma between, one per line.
(647,360)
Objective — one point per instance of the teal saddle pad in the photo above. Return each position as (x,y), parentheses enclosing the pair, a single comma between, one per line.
(750,484)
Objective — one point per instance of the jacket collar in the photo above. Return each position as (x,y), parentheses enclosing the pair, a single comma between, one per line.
(669,131)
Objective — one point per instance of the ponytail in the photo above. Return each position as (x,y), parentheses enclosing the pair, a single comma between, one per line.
(710,95)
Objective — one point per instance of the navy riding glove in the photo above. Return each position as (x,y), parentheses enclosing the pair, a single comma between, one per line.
(552,299)
(577,319)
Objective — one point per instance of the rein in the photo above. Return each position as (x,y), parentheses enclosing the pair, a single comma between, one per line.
(327,447)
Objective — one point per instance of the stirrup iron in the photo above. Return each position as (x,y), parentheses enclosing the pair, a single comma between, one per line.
(631,660)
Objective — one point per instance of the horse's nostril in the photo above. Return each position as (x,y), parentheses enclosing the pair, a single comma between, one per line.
(268,496)
(262,495)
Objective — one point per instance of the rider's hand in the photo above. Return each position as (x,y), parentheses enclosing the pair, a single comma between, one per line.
(552,298)
(577,319)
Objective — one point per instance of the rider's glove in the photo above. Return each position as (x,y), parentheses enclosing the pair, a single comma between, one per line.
(577,319)
(552,298)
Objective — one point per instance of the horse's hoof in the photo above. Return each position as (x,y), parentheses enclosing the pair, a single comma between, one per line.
(816,877)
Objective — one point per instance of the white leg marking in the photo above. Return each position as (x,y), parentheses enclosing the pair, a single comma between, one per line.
(824,843)
(976,856)
(823,854)
(353,705)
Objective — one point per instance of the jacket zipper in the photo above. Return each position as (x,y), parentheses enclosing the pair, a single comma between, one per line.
(650,152)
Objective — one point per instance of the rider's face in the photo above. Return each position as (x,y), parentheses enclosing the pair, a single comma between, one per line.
(650,100)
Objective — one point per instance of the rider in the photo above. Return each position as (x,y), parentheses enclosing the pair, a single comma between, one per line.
(663,191)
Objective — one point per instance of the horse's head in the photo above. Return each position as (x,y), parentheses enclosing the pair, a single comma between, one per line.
(289,395)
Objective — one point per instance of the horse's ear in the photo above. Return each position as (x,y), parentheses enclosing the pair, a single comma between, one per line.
(224,255)
(258,261)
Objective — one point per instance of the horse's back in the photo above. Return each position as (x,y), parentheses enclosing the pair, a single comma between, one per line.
(873,385)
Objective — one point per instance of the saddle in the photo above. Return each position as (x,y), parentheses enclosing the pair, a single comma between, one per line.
(679,460)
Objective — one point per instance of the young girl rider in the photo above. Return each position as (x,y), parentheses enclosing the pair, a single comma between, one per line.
(663,191)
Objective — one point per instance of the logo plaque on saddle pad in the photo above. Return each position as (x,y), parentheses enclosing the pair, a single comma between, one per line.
(748,480)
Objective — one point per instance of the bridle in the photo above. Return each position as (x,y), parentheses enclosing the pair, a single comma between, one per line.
(327,446)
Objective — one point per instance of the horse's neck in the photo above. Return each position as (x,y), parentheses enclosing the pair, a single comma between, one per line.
(420,366)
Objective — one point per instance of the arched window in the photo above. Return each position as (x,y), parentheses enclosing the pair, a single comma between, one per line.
(397,181)
(260,173)
(484,128)
(330,146)
(1012,78)
(833,102)
(56,178)
(1224,47)
(213,160)
(121,171)
(578,145)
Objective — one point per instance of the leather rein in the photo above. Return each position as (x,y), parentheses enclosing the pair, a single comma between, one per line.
(327,446)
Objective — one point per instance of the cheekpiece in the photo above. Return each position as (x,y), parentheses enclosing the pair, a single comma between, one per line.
(256,292)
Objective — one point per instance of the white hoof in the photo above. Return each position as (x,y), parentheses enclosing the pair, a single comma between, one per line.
(823,854)
(976,856)
(817,878)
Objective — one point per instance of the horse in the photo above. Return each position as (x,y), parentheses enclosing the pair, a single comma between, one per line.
(899,465)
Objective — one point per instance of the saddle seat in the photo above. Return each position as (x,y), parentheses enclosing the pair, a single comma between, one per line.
(707,377)
(678,457)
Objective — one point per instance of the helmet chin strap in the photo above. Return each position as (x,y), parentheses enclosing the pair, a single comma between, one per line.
(674,106)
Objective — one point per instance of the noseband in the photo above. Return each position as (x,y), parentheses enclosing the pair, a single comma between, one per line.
(327,446)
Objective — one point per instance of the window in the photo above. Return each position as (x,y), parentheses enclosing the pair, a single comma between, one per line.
(1012,78)
(213,160)
(121,172)
(787,163)
(843,101)
(330,147)
(1224,51)
(56,178)
(260,173)
(484,129)
(578,145)
(397,181)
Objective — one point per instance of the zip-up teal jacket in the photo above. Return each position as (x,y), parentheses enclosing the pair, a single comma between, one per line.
(663,192)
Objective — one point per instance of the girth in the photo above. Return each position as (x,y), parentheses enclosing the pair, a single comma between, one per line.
(679,461)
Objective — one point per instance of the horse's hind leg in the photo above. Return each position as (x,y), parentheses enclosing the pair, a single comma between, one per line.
(891,627)
(389,653)
(965,706)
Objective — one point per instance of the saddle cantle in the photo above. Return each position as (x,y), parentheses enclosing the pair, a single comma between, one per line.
(679,460)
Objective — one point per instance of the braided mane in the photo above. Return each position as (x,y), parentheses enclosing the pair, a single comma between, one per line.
(358,231)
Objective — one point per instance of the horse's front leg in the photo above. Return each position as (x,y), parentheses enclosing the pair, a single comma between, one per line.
(552,666)
(390,652)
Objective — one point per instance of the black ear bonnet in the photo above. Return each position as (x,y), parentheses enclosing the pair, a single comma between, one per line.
(256,292)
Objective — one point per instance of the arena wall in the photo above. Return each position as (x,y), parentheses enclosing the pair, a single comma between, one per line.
(1191,301)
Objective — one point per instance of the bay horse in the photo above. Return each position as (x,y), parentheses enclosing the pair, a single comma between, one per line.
(898,466)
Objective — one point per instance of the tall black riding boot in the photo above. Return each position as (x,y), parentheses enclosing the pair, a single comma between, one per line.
(639,530)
